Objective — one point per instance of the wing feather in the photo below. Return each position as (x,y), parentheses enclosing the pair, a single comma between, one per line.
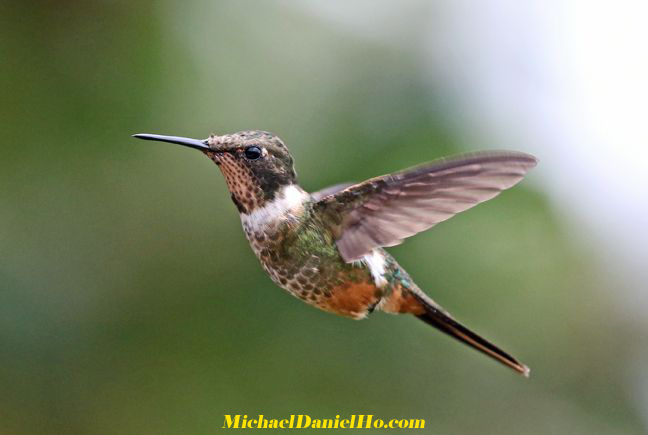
(385,210)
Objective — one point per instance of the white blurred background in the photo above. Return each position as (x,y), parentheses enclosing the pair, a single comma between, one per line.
(564,80)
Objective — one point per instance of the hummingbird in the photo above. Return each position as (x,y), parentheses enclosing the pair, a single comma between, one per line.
(327,247)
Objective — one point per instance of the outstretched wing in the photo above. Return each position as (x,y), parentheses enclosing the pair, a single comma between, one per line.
(384,210)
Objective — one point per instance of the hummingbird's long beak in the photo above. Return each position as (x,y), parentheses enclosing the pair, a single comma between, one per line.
(188,142)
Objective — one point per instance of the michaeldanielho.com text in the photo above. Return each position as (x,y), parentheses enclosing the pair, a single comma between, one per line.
(304,421)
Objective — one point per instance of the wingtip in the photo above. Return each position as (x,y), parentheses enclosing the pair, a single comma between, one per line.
(530,159)
(534,160)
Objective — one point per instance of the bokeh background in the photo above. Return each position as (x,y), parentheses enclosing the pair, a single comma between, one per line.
(131,303)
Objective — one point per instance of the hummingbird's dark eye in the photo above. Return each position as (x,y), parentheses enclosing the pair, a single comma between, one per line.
(252,153)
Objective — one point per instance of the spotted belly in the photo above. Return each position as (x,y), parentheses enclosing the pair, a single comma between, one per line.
(346,289)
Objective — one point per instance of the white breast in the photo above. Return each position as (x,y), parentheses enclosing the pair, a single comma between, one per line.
(287,202)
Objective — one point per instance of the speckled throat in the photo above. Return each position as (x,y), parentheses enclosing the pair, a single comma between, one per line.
(252,183)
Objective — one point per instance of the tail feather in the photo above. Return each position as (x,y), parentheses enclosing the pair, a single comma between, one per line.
(444,322)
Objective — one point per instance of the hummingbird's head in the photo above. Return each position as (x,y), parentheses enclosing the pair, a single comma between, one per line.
(256,164)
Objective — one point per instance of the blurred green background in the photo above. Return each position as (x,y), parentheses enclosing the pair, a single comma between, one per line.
(130,301)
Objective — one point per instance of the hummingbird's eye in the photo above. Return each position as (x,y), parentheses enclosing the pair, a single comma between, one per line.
(252,153)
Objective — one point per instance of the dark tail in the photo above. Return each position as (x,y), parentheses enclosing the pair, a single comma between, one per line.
(447,324)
